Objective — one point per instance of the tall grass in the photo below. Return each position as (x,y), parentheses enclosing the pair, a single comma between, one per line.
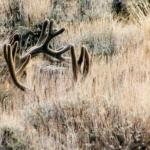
(108,110)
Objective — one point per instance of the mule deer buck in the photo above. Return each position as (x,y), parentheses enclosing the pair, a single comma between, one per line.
(17,61)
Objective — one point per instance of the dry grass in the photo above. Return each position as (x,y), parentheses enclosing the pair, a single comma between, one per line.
(109,110)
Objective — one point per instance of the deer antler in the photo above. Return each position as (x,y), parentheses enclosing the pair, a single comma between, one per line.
(42,45)
(16,64)
(10,57)
(83,59)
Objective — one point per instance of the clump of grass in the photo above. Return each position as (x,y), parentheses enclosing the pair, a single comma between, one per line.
(33,15)
(59,10)
(108,110)
(9,140)
(132,11)
(12,136)
(84,124)
(42,116)
(14,13)
(100,43)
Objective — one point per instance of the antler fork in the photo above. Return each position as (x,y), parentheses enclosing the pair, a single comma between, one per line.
(42,46)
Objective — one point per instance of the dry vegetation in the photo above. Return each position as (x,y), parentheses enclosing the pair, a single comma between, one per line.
(109,110)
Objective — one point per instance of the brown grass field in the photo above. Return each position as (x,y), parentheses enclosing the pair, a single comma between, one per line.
(109,110)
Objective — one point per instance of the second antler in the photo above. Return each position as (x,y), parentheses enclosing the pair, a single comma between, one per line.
(77,64)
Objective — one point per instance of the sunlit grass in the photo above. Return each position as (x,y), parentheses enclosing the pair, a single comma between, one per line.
(108,110)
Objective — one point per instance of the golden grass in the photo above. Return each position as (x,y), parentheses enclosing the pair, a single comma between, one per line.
(112,102)
(37,10)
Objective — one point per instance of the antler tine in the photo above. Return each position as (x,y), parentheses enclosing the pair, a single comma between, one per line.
(14,51)
(74,64)
(86,66)
(10,57)
(51,23)
(59,52)
(45,24)
(11,67)
(24,63)
(51,34)
(81,57)
(59,32)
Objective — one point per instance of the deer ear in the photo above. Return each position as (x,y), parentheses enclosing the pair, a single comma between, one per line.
(44,26)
